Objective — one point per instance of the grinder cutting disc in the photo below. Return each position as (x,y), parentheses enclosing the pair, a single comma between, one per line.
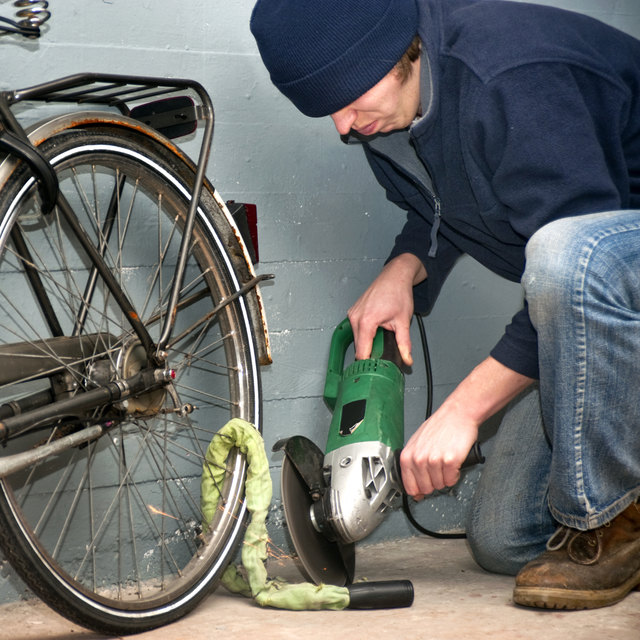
(322,560)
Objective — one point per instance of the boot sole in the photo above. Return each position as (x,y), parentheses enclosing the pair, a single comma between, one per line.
(573,599)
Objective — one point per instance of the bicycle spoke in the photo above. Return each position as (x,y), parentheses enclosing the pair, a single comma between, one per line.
(113,212)
(34,280)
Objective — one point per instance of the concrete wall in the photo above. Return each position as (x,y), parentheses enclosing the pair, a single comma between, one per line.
(325,226)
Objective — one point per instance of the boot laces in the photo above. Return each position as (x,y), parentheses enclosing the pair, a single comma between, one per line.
(582,547)
(559,538)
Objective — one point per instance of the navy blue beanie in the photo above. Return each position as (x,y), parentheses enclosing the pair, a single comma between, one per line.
(324,54)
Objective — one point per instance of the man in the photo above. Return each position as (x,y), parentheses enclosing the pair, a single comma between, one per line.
(510,132)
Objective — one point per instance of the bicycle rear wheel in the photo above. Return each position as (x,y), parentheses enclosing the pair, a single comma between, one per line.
(110,533)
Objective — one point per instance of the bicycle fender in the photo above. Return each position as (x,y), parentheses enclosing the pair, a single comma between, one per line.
(238,250)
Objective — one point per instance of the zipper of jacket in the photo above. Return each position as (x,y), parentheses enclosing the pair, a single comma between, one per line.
(435,198)
(429,193)
(437,216)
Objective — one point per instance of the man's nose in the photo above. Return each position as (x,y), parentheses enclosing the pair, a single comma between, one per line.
(344,119)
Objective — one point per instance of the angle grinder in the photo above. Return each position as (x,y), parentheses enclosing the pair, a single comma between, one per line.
(334,499)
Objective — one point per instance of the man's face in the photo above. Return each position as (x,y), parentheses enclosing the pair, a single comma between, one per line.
(388,106)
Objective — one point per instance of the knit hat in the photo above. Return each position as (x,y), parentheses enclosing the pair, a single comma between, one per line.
(324,54)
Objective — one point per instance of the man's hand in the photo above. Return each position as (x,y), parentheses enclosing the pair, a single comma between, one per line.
(433,456)
(387,303)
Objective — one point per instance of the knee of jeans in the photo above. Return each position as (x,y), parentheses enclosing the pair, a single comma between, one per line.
(566,256)
(551,263)
(503,540)
(548,254)
(490,550)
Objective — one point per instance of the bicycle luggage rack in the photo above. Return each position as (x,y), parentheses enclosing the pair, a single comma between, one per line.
(113,90)
(173,116)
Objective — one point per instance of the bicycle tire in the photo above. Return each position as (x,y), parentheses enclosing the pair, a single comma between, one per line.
(109,533)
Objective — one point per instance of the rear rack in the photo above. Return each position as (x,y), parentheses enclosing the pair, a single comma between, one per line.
(117,91)
(110,89)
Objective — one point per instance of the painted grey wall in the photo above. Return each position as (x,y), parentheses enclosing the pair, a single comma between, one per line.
(325,226)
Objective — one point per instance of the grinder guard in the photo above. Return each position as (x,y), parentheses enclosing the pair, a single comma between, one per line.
(322,557)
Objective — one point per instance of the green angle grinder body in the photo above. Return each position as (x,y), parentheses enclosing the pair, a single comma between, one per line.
(335,499)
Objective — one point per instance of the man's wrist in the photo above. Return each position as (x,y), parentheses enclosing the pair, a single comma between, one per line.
(409,266)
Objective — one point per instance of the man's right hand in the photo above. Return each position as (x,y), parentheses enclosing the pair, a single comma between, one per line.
(388,303)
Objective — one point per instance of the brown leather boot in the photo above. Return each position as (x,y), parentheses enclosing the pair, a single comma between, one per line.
(584,569)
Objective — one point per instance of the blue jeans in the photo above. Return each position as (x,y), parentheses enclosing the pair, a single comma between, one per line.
(568,452)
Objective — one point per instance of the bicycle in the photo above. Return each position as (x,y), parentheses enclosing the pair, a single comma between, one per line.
(131,330)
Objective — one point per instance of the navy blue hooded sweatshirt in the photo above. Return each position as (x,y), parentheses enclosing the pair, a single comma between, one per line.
(530,114)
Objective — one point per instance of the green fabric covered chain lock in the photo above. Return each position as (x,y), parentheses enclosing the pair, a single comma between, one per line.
(258,493)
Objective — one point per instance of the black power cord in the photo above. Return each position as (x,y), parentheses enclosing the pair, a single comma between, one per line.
(429,384)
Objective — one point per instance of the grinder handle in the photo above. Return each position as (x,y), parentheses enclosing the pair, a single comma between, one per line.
(388,594)
(473,457)
(341,339)
(390,349)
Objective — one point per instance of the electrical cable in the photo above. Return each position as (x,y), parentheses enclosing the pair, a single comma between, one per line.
(429,385)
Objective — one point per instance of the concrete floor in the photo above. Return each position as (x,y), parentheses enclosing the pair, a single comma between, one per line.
(454,600)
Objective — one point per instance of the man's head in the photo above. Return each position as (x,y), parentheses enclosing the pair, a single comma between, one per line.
(325,54)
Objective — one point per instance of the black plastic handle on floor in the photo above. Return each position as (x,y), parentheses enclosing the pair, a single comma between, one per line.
(388,594)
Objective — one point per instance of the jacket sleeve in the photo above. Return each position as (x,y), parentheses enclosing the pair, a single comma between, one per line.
(546,139)
(415,235)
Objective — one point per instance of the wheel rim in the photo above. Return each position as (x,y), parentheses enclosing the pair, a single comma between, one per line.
(118,521)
